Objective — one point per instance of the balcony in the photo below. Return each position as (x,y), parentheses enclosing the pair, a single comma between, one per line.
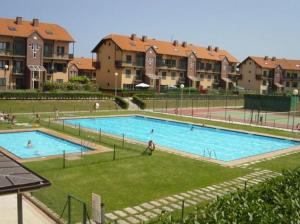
(18,71)
(121,64)
(51,55)
(10,52)
(97,64)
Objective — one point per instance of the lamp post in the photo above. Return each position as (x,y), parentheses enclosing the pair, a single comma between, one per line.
(295,94)
(181,88)
(5,69)
(116,79)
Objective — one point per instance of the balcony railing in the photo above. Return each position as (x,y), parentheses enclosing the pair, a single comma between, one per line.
(58,55)
(10,52)
(18,71)
(120,64)
(97,64)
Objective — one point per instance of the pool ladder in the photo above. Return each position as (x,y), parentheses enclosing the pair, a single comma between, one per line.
(211,153)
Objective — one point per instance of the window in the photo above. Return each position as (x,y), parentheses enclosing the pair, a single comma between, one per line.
(60,50)
(208,66)
(128,73)
(202,65)
(2,81)
(138,75)
(48,49)
(209,77)
(18,66)
(287,84)
(163,75)
(3,46)
(294,75)
(3,63)
(295,85)
(265,73)
(108,71)
(217,67)
(173,75)
(170,63)
(108,57)
(288,75)
(264,83)
(59,80)
(59,67)
(201,76)
(128,59)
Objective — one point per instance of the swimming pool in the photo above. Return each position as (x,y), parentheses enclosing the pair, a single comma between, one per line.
(42,144)
(204,141)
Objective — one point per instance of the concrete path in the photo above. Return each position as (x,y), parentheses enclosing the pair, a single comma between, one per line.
(149,210)
(131,105)
(31,214)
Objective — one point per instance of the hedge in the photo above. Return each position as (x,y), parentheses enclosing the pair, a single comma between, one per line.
(51,95)
(274,201)
(121,102)
(138,101)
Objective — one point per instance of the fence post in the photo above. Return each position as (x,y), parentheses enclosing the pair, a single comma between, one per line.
(153,104)
(100,135)
(225,106)
(64,158)
(192,107)
(102,213)
(84,218)
(123,141)
(114,156)
(182,211)
(63,125)
(69,209)
(79,129)
(49,121)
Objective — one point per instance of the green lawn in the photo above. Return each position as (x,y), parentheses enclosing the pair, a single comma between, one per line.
(278,164)
(29,106)
(127,181)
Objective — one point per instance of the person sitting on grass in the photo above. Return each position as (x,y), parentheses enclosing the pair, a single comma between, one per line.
(150,148)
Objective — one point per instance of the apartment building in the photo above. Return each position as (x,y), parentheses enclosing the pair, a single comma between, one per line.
(125,61)
(82,67)
(269,74)
(32,52)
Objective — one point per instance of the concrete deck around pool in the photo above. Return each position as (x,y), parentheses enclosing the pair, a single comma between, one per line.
(194,156)
(95,148)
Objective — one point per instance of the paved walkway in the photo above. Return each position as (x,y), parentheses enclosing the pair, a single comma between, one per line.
(31,214)
(152,209)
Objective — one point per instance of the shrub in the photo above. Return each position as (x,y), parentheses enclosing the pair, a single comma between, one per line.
(121,102)
(51,95)
(79,79)
(275,201)
(138,101)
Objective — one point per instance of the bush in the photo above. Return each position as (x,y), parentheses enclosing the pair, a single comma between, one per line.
(121,102)
(275,201)
(79,79)
(51,95)
(138,101)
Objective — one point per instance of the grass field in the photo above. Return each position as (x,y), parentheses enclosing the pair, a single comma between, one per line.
(126,181)
(32,106)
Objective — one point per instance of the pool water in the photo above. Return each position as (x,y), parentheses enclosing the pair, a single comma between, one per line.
(204,141)
(42,144)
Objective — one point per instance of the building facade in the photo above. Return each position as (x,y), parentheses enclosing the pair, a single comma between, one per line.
(122,62)
(82,67)
(32,53)
(269,74)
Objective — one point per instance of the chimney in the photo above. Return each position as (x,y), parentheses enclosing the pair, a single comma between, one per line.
(175,43)
(35,22)
(273,58)
(18,20)
(216,49)
(209,47)
(133,36)
(184,44)
(266,58)
(144,38)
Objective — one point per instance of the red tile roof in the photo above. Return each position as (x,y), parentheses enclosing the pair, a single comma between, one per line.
(167,48)
(9,27)
(83,63)
(287,64)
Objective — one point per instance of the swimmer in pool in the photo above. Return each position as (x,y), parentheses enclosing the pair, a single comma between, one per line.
(29,144)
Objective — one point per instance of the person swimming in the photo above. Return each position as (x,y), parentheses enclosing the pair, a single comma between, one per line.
(152,131)
(192,128)
(29,144)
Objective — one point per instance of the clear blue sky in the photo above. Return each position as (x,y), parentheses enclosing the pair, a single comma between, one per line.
(256,27)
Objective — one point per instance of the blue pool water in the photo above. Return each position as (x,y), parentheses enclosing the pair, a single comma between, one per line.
(42,144)
(220,144)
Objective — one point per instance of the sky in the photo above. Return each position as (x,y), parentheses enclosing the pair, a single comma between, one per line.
(256,27)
